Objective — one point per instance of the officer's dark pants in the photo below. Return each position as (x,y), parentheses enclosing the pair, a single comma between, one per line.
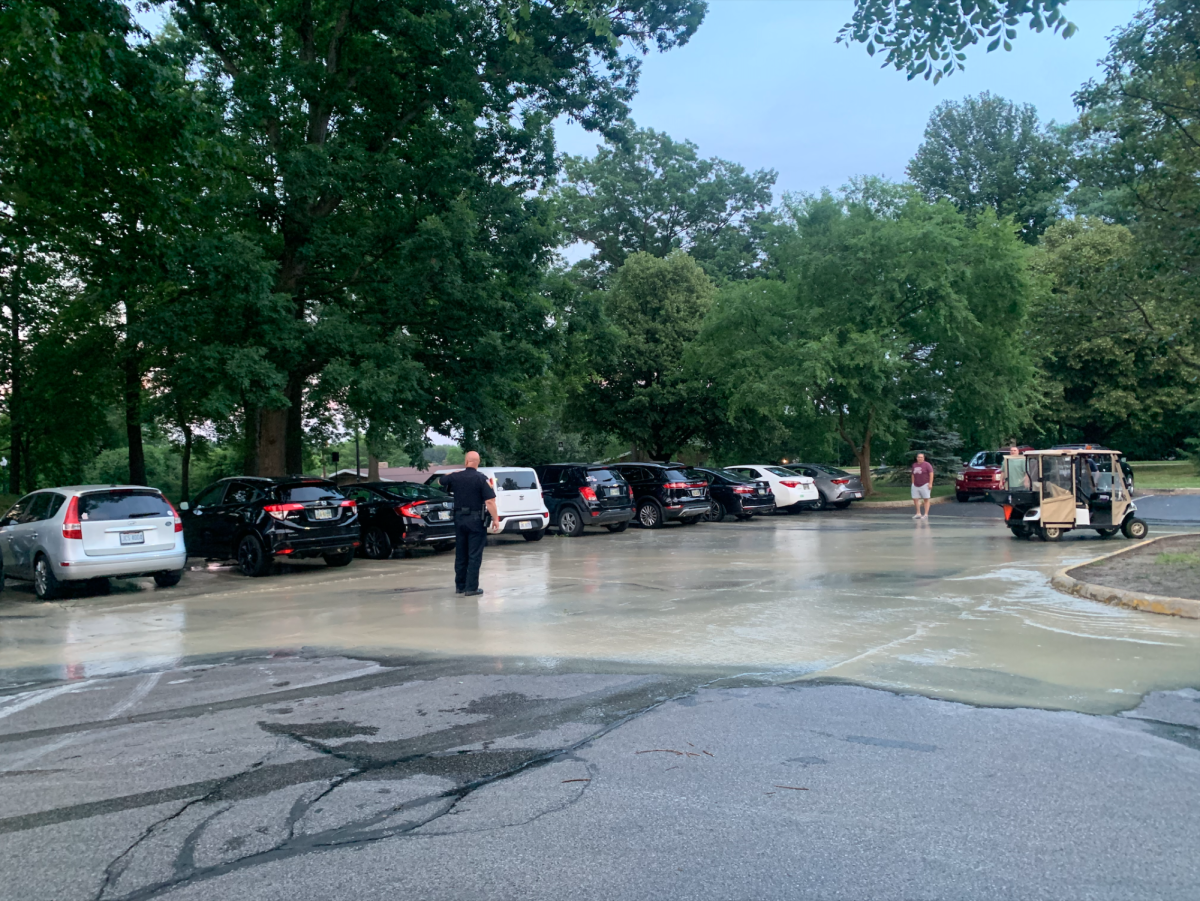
(470,536)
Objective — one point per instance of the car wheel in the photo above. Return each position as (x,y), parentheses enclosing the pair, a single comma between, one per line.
(822,502)
(2,578)
(442,546)
(1108,533)
(842,505)
(168,579)
(618,526)
(376,544)
(345,558)
(962,497)
(533,536)
(98,586)
(1050,533)
(649,515)
(45,584)
(1135,528)
(570,523)
(251,558)
(716,511)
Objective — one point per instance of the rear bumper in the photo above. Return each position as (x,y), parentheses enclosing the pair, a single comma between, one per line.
(695,507)
(606,517)
(536,522)
(286,545)
(751,505)
(123,567)
(411,537)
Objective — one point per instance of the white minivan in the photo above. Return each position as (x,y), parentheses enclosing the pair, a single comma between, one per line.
(518,498)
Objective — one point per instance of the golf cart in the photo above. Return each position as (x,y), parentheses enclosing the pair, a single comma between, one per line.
(1047,493)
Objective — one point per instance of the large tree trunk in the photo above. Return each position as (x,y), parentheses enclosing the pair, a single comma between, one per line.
(250,440)
(133,420)
(294,456)
(185,466)
(372,466)
(272,442)
(862,452)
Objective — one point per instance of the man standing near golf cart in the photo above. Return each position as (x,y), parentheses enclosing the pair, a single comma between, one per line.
(922,485)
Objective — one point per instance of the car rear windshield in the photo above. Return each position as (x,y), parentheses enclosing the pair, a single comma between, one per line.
(312,491)
(735,476)
(677,475)
(410,491)
(516,479)
(831,470)
(780,471)
(100,506)
(602,475)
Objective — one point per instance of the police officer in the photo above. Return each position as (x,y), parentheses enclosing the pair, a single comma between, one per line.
(472,494)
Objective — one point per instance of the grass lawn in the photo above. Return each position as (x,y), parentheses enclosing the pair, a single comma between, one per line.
(1164,474)
(902,493)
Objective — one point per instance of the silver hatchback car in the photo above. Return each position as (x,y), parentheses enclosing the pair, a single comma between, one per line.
(85,532)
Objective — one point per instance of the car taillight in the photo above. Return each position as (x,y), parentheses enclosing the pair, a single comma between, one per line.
(840,481)
(415,510)
(676,485)
(741,489)
(175,514)
(790,484)
(588,494)
(629,488)
(72,527)
(349,503)
(281,511)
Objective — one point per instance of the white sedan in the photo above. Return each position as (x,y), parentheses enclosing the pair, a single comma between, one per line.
(792,491)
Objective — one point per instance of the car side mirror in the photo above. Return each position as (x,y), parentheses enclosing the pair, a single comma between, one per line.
(183,505)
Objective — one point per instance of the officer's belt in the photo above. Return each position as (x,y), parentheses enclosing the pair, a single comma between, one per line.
(468,509)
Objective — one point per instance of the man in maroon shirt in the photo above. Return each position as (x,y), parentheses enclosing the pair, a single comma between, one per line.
(922,483)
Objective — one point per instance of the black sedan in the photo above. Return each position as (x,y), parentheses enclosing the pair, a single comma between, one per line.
(733,495)
(402,515)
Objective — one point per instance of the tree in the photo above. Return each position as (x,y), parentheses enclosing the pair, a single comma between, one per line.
(640,388)
(884,298)
(646,193)
(987,152)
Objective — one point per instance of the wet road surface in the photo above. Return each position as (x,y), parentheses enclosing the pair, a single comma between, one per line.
(621,716)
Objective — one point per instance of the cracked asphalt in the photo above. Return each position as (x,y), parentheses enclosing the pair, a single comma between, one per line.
(139,760)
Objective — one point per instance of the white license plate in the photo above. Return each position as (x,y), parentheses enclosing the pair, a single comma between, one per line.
(133,538)
(695,492)
(858,494)
(322,514)
(525,524)
(762,490)
(443,514)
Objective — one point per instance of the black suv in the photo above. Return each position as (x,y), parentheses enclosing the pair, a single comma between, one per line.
(664,492)
(402,515)
(578,495)
(733,495)
(254,519)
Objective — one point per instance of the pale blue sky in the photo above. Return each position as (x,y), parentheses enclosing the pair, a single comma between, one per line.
(763,84)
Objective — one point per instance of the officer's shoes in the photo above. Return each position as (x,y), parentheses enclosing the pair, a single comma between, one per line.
(473,594)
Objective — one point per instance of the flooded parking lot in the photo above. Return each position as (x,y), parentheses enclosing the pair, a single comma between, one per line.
(951,608)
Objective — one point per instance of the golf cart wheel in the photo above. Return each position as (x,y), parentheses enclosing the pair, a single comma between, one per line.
(716,511)
(533,536)
(376,545)
(251,557)
(1135,528)
(649,515)
(1107,533)
(1050,533)
(570,523)
(618,526)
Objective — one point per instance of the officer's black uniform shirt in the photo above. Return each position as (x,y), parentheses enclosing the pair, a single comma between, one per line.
(470,489)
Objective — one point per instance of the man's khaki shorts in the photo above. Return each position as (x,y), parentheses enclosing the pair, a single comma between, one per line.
(920,492)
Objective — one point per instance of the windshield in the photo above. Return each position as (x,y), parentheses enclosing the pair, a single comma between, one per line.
(784,473)
(677,475)
(107,505)
(313,491)
(697,476)
(988,458)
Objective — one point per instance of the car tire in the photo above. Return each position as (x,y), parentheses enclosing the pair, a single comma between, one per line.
(962,497)
(168,579)
(570,522)
(442,546)
(1108,533)
(2,578)
(649,516)
(1050,533)
(376,544)
(533,536)
(1135,528)
(842,505)
(45,584)
(716,511)
(618,526)
(252,559)
(98,586)
(345,558)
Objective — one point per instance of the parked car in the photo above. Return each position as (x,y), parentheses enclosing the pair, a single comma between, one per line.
(730,494)
(981,474)
(793,492)
(836,487)
(518,498)
(664,492)
(253,519)
(402,515)
(579,495)
(91,533)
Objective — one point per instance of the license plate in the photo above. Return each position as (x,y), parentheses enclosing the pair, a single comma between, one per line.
(322,514)
(443,514)
(858,494)
(133,538)
(762,490)
(525,524)
(695,492)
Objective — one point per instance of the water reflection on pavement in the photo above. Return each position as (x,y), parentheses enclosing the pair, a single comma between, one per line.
(952,608)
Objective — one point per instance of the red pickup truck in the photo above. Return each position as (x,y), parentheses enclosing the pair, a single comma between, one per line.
(983,472)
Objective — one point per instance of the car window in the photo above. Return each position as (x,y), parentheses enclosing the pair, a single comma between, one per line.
(17,510)
(36,510)
(745,472)
(409,491)
(736,475)
(780,471)
(603,475)
(312,491)
(515,479)
(56,502)
(362,495)
(550,475)
(210,496)
(244,493)
(122,503)
(677,475)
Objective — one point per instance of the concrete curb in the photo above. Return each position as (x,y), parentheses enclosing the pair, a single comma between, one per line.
(1119,597)
(878,505)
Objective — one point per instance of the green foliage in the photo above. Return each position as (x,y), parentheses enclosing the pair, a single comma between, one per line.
(646,193)
(928,38)
(987,152)
(640,388)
